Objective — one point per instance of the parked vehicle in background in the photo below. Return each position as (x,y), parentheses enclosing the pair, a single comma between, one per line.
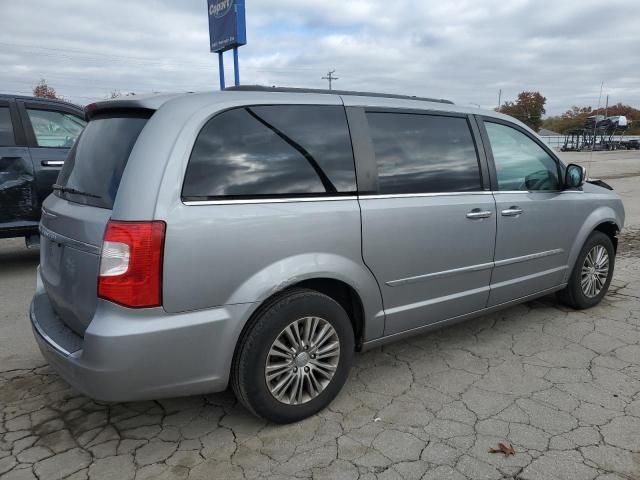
(259,237)
(35,137)
(632,144)
(593,121)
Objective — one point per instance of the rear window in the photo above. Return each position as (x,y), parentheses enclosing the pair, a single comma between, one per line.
(267,151)
(96,161)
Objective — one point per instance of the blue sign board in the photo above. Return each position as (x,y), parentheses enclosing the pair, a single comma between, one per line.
(227,27)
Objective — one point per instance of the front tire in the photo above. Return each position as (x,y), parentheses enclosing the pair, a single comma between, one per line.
(592,273)
(294,356)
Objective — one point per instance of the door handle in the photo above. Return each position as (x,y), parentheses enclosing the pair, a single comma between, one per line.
(477,213)
(511,212)
(10,158)
(52,163)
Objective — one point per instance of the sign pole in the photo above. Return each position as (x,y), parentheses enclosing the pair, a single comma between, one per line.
(236,68)
(227,31)
(221,70)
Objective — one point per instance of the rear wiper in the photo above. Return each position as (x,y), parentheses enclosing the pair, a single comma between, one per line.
(74,191)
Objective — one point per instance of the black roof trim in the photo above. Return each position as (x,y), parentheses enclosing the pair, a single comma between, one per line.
(262,88)
(9,96)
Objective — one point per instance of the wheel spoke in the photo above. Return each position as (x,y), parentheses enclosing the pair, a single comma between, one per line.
(275,370)
(324,335)
(308,325)
(324,368)
(314,385)
(296,332)
(280,389)
(288,333)
(295,392)
(278,349)
(328,351)
(589,259)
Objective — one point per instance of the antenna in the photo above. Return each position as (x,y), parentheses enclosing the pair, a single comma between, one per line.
(330,77)
(595,126)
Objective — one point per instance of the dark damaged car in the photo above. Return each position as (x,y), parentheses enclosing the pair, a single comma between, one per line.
(35,137)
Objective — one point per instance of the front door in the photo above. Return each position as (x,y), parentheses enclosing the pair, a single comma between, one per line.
(537,220)
(428,232)
(18,199)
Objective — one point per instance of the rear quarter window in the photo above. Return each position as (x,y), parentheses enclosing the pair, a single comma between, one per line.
(98,158)
(267,151)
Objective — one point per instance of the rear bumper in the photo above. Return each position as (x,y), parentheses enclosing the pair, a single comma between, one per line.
(140,354)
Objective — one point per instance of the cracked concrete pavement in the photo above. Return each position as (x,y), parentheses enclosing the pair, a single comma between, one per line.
(561,386)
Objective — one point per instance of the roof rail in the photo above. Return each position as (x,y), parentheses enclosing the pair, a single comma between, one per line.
(262,88)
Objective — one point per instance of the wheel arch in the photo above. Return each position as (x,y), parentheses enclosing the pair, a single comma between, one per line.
(611,230)
(603,219)
(348,282)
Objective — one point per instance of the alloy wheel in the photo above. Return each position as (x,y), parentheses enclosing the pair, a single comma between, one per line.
(302,360)
(595,271)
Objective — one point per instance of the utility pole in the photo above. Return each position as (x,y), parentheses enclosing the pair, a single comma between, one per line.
(330,77)
(606,106)
(499,99)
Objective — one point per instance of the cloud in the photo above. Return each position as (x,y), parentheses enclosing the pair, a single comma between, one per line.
(463,50)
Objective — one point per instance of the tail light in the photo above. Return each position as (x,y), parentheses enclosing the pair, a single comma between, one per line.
(131,263)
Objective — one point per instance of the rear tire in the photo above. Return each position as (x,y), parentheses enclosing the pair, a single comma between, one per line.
(592,273)
(287,336)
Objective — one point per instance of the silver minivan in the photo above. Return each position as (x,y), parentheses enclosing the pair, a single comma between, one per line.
(258,237)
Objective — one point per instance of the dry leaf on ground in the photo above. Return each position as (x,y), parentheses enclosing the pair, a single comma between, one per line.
(503,448)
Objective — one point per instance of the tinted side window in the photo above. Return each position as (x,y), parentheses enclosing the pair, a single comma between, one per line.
(55,129)
(284,150)
(6,128)
(419,153)
(521,164)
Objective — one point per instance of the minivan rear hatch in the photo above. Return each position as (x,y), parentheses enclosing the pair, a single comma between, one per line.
(74,217)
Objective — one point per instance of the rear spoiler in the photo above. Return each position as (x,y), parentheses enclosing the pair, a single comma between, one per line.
(149,103)
(116,109)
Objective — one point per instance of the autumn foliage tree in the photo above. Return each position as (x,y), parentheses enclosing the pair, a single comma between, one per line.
(528,108)
(43,90)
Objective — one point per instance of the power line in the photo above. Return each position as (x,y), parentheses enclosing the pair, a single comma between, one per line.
(81,56)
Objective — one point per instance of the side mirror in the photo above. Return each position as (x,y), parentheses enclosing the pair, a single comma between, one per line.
(575,176)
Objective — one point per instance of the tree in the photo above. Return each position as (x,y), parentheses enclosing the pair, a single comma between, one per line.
(528,108)
(43,90)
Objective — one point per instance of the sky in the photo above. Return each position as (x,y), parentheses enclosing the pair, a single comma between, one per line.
(462,50)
